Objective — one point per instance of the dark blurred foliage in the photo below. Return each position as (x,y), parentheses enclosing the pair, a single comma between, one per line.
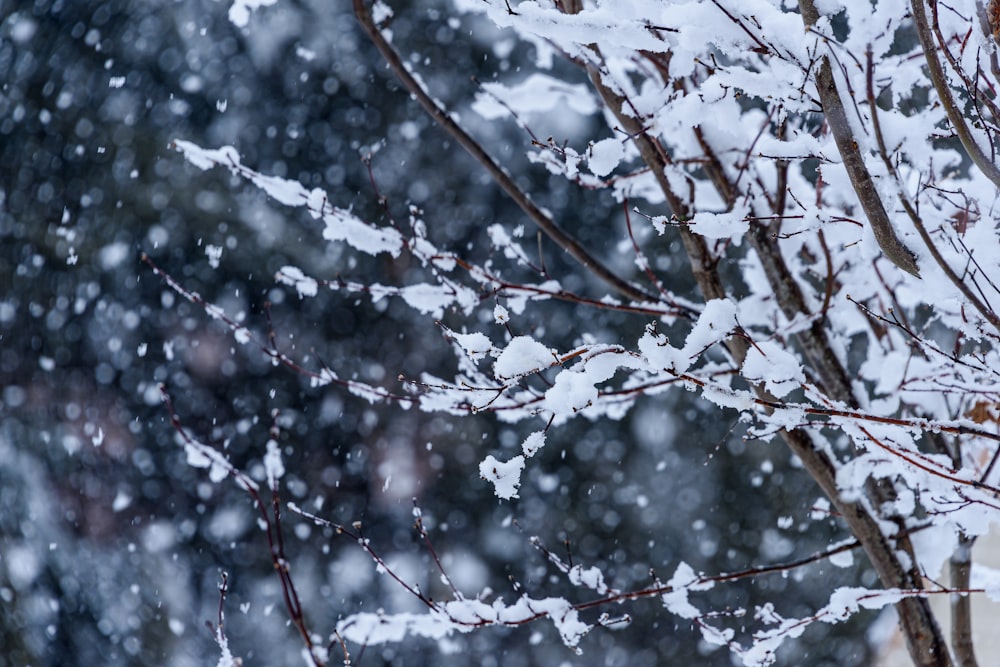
(112,546)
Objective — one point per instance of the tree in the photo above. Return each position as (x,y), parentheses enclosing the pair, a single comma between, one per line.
(831,177)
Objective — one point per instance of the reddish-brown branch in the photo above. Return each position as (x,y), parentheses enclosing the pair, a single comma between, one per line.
(272,529)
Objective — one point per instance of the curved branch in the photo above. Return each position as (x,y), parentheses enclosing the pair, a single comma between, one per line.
(911,210)
(940,82)
(854,163)
(502,178)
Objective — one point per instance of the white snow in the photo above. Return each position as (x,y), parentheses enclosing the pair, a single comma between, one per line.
(676,601)
(777,368)
(214,254)
(533,443)
(273,466)
(590,577)
(538,93)
(522,356)
(239,12)
(604,156)
(121,501)
(476,344)
(506,477)
(113,254)
(303,284)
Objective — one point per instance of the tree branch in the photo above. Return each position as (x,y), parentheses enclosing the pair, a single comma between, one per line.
(502,178)
(911,210)
(960,568)
(861,179)
(940,82)
(923,635)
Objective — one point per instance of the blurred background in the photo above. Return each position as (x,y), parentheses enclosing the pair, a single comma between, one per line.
(112,547)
